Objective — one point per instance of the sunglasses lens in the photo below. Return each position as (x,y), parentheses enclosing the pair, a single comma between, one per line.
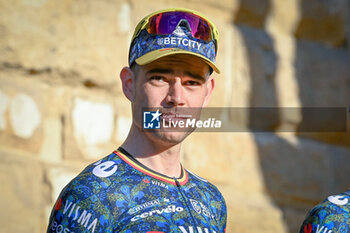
(166,23)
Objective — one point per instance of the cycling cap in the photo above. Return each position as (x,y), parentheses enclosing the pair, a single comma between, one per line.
(174,31)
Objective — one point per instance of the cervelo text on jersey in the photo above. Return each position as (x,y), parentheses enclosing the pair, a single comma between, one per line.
(119,194)
(169,209)
(330,216)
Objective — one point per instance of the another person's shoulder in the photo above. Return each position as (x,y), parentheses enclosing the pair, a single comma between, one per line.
(331,215)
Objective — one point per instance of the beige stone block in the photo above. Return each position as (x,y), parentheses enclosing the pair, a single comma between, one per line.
(323,78)
(283,17)
(51,149)
(123,118)
(263,174)
(323,21)
(213,10)
(348,32)
(258,65)
(89,38)
(93,122)
(287,86)
(275,176)
(252,12)
(299,171)
(247,176)
(274,70)
(340,164)
(22,118)
(35,120)
(203,161)
(225,158)
(123,126)
(89,125)
(294,218)
(254,79)
(225,5)
(238,71)
(226,59)
(24,194)
(4,103)
(280,26)
(253,213)
(326,72)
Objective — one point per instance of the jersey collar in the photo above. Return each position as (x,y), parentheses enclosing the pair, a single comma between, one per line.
(129,159)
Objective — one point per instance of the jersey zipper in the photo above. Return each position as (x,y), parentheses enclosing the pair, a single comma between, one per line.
(186,203)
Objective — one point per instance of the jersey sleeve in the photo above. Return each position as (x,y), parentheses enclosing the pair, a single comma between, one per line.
(332,215)
(223,216)
(80,209)
(220,208)
(313,221)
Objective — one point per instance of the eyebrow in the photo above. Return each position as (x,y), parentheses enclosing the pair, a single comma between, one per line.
(171,71)
(196,76)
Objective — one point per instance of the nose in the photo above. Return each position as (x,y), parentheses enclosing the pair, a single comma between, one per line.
(175,93)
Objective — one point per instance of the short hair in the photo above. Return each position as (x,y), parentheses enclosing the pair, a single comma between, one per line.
(135,68)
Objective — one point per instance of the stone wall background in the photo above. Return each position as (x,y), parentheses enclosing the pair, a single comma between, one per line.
(61,105)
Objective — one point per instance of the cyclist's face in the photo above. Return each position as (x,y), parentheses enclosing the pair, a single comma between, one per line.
(177,81)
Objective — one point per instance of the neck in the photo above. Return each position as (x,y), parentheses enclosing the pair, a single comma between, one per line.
(161,157)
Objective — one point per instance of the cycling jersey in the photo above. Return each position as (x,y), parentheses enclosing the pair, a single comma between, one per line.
(330,216)
(119,194)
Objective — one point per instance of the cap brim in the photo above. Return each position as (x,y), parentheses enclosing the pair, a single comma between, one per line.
(156,54)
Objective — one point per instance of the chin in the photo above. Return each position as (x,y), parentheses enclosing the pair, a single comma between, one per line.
(171,138)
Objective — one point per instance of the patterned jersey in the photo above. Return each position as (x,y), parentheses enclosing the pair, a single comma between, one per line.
(119,194)
(330,216)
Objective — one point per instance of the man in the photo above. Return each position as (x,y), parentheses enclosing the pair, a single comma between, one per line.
(330,216)
(142,186)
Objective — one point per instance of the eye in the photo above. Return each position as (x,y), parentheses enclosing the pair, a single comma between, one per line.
(192,83)
(157,78)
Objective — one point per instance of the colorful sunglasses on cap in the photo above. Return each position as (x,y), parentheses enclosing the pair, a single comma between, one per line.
(174,31)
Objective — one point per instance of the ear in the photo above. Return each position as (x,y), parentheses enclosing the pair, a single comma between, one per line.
(127,77)
(210,87)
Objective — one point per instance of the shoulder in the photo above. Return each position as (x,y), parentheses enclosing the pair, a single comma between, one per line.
(83,205)
(202,182)
(334,204)
(208,190)
(329,215)
(209,195)
(95,176)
